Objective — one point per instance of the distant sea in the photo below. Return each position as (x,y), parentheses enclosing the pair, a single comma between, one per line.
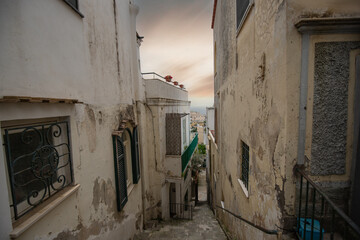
(201,110)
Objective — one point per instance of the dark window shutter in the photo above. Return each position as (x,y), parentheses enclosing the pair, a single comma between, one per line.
(135,157)
(241,6)
(120,172)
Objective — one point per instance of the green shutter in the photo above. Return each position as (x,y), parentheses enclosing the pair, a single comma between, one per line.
(120,172)
(135,156)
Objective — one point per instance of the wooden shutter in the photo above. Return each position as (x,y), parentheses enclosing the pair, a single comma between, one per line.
(120,172)
(135,156)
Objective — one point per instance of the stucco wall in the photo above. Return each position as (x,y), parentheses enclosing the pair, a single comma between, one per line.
(257,101)
(157,168)
(48,50)
(330,111)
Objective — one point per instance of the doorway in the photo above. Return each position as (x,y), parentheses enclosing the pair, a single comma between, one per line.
(172,199)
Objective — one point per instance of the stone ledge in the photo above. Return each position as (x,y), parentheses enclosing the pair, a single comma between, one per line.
(328,25)
(39,213)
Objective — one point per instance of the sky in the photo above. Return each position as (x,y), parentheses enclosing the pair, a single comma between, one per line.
(178,41)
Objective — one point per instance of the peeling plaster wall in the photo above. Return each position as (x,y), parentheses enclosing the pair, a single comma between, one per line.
(156,149)
(256,100)
(156,110)
(48,50)
(251,105)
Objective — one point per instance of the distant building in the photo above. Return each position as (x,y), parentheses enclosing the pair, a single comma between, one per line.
(210,123)
(286,98)
(197,117)
(169,150)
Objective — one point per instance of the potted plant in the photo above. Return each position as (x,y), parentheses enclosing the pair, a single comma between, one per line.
(168,78)
(181,85)
(176,83)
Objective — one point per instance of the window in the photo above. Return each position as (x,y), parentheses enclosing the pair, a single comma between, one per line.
(184,131)
(120,172)
(136,157)
(126,163)
(73,3)
(126,138)
(245,164)
(242,10)
(39,164)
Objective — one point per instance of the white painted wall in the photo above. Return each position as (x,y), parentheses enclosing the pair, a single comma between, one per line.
(156,88)
(48,50)
(210,123)
(160,171)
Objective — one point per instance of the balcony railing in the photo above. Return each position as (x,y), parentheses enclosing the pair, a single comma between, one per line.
(318,217)
(186,156)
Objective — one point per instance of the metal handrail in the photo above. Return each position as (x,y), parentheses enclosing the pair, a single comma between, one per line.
(267,231)
(336,209)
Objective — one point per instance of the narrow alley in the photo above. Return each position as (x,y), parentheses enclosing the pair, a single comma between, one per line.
(203,225)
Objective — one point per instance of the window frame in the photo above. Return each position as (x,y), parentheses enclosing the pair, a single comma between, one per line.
(59,145)
(135,155)
(131,159)
(244,16)
(75,8)
(119,183)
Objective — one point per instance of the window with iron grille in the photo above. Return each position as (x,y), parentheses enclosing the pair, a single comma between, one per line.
(245,164)
(242,10)
(39,162)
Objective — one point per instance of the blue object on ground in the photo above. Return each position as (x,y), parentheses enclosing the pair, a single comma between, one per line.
(316,230)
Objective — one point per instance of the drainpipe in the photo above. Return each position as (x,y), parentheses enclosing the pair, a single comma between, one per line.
(303,97)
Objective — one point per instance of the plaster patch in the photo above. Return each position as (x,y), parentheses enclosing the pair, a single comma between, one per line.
(90,129)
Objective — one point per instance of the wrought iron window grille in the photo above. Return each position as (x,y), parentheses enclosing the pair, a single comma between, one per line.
(39,163)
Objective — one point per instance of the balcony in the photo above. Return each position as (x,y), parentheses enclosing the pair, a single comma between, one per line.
(186,156)
(175,165)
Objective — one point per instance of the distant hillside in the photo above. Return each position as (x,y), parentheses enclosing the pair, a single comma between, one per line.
(201,110)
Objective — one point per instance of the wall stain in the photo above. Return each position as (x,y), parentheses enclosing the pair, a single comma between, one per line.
(90,129)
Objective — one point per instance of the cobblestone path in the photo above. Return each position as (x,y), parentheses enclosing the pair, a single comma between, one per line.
(202,226)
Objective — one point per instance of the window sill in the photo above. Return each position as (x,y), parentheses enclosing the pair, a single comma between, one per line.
(23,224)
(75,9)
(242,185)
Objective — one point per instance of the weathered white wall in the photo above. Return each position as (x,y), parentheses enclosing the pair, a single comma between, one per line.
(156,88)
(48,50)
(256,96)
(157,106)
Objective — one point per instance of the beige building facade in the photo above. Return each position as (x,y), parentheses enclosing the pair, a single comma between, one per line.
(285,95)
